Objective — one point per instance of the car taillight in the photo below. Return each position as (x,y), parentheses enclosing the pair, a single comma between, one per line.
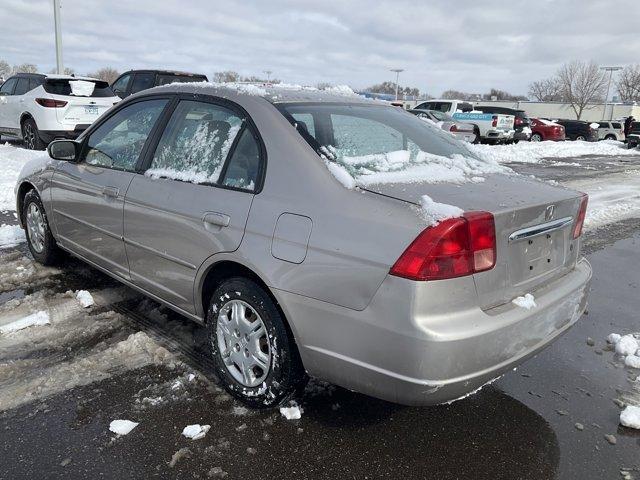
(582,212)
(494,123)
(453,248)
(453,128)
(51,103)
(518,121)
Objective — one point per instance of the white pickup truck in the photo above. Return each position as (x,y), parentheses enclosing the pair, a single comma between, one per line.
(490,128)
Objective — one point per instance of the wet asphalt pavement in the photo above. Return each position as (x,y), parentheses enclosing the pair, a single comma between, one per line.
(521,427)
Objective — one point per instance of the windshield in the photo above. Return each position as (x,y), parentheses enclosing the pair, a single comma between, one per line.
(380,144)
(63,86)
(164,79)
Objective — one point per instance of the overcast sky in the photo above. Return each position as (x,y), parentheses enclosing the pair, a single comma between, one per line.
(468,45)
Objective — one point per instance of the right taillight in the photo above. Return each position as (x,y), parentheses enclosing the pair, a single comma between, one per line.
(494,121)
(453,248)
(50,102)
(582,212)
(453,128)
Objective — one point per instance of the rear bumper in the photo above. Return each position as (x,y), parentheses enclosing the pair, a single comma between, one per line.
(48,136)
(395,351)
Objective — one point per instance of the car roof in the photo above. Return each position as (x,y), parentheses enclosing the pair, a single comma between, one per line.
(55,76)
(165,72)
(274,93)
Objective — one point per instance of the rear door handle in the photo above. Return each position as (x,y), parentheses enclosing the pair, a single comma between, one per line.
(215,218)
(111,192)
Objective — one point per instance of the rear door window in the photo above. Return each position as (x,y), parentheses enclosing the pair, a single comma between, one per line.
(142,81)
(22,87)
(195,143)
(616,125)
(118,142)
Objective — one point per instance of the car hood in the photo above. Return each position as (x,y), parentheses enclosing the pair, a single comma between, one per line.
(496,193)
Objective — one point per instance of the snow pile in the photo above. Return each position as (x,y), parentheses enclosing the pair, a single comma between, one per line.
(344,90)
(434,212)
(195,432)
(294,412)
(534,152)
(122,427)
(250,89)
(81,88)
(33,320)
(405,166)
(11,235)
(630,417)
(528,301)
(85,298)
(627,345)
(12,160)
(632,361)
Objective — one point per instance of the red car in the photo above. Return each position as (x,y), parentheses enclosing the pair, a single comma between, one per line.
(546,130)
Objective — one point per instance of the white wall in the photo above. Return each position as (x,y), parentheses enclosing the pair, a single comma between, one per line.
(591,113)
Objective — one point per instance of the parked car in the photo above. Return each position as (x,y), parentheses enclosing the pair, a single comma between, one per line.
(39,108)
(462,131)
(608,130)
(135,81)
(491,128)
(579,130)
(521,124)
(542,130)
(240,211)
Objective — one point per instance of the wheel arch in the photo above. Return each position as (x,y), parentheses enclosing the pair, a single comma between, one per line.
(23,189)
(24,117)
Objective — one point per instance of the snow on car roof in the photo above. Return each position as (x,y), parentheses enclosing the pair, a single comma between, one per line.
(55,76)
(275,93)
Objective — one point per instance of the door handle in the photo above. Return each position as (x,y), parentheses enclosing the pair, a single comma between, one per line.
(111,192)
(215,218)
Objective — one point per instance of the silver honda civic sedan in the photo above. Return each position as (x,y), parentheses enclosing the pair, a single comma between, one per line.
(315,233)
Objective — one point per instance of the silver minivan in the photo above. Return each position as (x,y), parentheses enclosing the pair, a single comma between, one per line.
(315,234)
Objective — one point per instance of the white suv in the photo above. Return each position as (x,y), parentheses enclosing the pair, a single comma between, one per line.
(610,130)
(39,108)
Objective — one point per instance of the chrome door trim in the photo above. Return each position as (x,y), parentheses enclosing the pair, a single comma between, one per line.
(540,229)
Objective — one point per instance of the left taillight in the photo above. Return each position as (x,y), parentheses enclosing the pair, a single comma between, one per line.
(453,128)
(582,212)
(50,102)
(494,121)
(453,248)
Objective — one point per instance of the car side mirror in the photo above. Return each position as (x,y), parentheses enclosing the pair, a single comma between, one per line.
(64,150)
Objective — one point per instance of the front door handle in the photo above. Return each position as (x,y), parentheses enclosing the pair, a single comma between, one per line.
(215,218)
(111,192)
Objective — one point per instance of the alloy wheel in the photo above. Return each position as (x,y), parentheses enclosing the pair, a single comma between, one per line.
(29,136)
(36,227)
(243,343)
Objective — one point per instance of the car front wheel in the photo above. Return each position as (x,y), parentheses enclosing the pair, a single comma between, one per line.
(31,135)
(254,354)
(39,237)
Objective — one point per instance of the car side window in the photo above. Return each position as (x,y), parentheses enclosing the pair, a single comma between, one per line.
(142,81)
(34,83)
(118,142)
(22,86)
(120,85)
(244,164)
(7,87)
(195,143)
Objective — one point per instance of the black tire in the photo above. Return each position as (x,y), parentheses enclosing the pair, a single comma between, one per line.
(610,137)
(31,135)
(286,376)
(46,251)
(536,137)
(476,139)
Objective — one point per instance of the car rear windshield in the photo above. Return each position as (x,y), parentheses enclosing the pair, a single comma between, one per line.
(165,78)
(371,142)
(63,86)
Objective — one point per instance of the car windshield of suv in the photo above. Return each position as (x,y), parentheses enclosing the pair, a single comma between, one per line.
(383,144)
(164,79)
(64,86)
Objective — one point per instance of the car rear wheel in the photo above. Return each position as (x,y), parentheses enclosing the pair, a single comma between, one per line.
(610,137)
(536,137)
(39,237)
(581,137)
(254,354)
(476,138)
(31,135)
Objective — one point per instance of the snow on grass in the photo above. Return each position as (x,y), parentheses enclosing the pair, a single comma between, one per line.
(85,298)
(534,152)
(195,432)
(528,301)
(11,235)
(12,160)
(122,427)
(630,417)
(33,320)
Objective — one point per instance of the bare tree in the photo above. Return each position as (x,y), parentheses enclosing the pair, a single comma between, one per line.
(628,83)
(25,68)
(581,83)
(108,74)
(5,70)
(458,95)
(502,95)
(547,90)
(226,76)
(67,71)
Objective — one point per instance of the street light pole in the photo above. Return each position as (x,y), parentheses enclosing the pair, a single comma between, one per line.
(268,72)
(56,19)
(397,70)
(606,99)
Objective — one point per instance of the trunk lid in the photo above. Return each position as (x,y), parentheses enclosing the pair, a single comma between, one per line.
(82,110)
(534,229)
